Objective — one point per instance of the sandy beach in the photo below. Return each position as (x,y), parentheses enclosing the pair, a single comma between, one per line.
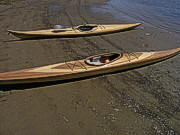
(143,101)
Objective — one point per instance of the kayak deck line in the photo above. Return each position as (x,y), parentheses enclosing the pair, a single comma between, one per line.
(75,64)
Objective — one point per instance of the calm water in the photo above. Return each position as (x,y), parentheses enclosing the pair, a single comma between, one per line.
(164,14)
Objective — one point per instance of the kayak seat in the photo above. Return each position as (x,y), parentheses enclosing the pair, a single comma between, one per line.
(86,28)
(102,59)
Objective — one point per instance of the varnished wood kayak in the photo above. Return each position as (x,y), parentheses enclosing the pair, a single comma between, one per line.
(77,31)
(94,65)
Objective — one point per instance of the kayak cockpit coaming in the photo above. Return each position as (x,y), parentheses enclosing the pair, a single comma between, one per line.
(104,59)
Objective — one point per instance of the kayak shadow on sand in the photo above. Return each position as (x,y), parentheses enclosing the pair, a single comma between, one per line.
(66,37)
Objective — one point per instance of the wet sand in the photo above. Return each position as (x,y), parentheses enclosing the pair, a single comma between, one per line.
(141,101)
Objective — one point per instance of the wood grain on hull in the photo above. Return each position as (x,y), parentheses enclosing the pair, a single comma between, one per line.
(78,69)
(73,32)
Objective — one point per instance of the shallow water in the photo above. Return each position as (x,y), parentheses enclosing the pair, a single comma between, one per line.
(164,14)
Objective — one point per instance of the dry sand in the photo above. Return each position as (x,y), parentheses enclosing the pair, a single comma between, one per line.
(145,101)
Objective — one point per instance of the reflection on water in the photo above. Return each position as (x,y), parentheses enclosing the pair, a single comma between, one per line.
(164,14)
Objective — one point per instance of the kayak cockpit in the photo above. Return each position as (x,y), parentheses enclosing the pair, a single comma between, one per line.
(86,27)
(103,59)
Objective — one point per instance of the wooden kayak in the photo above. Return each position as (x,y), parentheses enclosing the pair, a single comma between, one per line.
(91,66)
(77,31)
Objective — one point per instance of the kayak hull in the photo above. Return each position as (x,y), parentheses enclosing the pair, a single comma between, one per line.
(78,69)
(73,32)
